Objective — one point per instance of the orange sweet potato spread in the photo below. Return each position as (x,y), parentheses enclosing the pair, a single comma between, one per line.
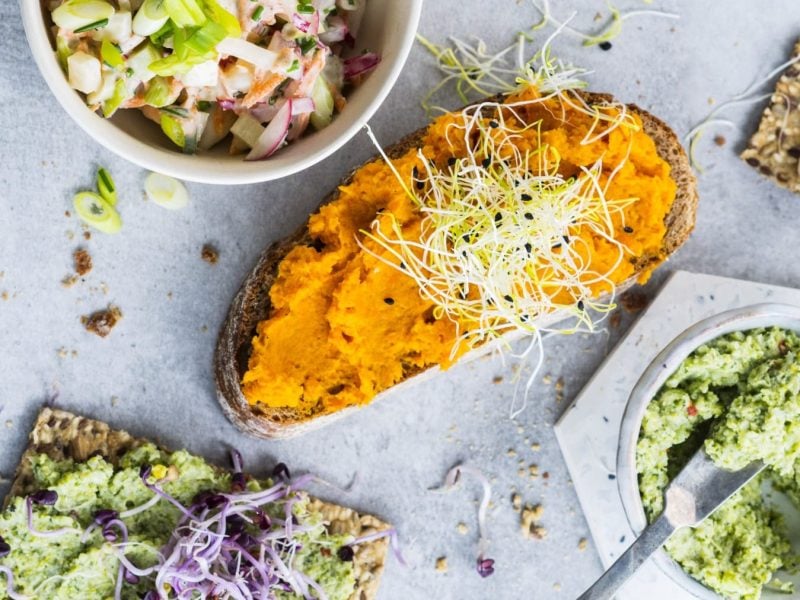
(344,325)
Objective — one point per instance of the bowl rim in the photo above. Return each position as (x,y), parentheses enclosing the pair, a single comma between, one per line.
(745,318)
(199,169)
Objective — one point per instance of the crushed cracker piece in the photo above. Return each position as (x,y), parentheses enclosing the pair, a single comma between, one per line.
(511,453)
(516,501)
(533,471)
(209,254)
(774,150)
(720,140)
(536,446)
(9,424)
(529,522)
(102,322)
(69,281)
(583,543)
(82,260)
(462,528)
(441,564)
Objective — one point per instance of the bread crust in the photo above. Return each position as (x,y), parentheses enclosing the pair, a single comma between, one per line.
(252,304)
(62,435)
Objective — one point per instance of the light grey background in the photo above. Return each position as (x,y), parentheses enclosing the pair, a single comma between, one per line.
(152,374)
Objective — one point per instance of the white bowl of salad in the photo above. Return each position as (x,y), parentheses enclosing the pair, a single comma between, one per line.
(221,91)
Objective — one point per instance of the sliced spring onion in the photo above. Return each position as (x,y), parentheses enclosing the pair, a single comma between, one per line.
(166,191)
(78,15)
(150,17)
(173,129)
(98,213)
(160,92)
(323,104)
(185,13)
(63,52)
(119,96)
(205,39)
(111,54)
(139,62)
(106,187)
(219,15)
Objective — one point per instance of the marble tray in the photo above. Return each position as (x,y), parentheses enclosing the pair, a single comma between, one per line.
(588,432)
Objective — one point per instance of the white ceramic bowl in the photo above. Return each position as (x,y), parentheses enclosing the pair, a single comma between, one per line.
(667,361)
(388,28)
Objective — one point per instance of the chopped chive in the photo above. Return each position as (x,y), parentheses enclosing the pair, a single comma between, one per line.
(305,9)
(96,25)
(106,187)
(257,13)
(204,105)
(307,44)
(294,67)
(176,110)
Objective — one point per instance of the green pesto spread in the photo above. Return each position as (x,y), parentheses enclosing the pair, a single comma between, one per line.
(740,396)
(72,565)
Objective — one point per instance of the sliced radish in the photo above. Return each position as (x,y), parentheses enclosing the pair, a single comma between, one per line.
(256,55)
(274,135)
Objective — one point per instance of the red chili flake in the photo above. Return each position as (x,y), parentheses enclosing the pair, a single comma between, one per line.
(691,410)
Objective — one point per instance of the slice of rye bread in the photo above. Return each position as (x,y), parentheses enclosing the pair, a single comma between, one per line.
(62,435)
(252,304)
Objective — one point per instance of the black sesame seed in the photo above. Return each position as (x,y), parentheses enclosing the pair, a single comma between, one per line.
(528,247)
(580,305)
(556,246)
(627,229)
(415,172)
(508,298)
(529,216)
(345,554)
(494,124)
(403,266)
(565,238)
(466,237)
(498,217)
(389,301)
(526,197)
(486,162)
(605,45)
(451,161)
(420,185)
(612,476)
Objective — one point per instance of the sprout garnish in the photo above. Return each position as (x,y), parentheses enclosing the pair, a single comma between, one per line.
(485,566)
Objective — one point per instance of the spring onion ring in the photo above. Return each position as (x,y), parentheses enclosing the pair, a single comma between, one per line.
(106,187)
(166,191)
(98,213)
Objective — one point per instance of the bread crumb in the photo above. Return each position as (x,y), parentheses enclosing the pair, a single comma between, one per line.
(69,281)
(615,320)
(521,472)
(710,101)
(462,528)
(102,322)
(516,501)
(557,587)
(511,453)
(67,214)
(497,379)
(441,564)
(582,544)
(547,380)
(114,400)
(536,446)
(9,424)
(529,522)
(560,384)
(4,295)
(87,235)
(209,254)
(720,140)
(82,260)
(533,471)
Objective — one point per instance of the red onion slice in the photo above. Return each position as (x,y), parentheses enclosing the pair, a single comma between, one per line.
(358,65)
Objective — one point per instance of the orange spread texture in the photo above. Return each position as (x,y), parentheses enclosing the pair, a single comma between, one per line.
(344,325)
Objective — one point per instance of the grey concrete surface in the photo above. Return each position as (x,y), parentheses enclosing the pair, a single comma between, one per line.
(152,374)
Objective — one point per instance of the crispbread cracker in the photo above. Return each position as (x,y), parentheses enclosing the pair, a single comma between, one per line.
(62,435)
(252,303)
(774,150)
